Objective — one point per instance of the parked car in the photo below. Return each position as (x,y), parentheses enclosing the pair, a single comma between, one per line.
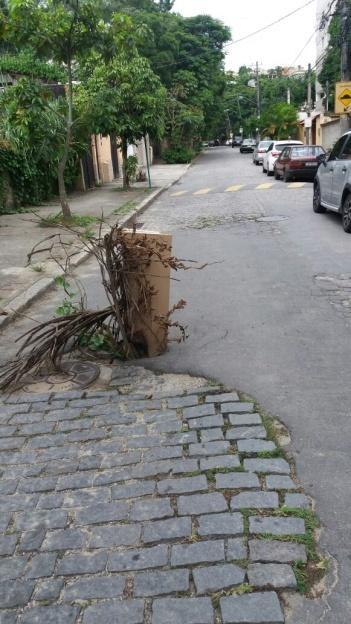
(274,150)
(228,142)
(237,141)
(260,151)
(247,146)
(300,161)
(332,184)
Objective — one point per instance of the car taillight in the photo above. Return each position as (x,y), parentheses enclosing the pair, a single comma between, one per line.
(275,153)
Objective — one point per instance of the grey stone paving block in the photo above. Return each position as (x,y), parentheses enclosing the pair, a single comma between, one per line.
(198,504)
(276,551)
(217,578)
(117,535)
(48,589)
(133,490)
(112,476)
(276,525)
(122,459)
(115,612)
(32,540)
(164,467)
(89,434)
(167,452)
(273,465)
(174,439)
(182,610)
(7,544)
(198,410)
(15,593)
(107,512)
(7,430)
(138,559)
(297,500)
(87,563)
(169,426)
(174,528)
(45,441)
(19,502)
(83,498)
(151,509)
(8,444)
(255,446)
(74,425)
(237,407)
(90,462)
(37,428)
(140,406)
(41,484)
(208,448)
(158,417)
(92,402)
(221,524)
(255,500)
(49,615)
(256,608)
(41,565)
(183,485)
(198,552)
(8,617)
(24,419)
(12,567)
(245,419)
(67,539)
(122,431)
(280,482)
(140,442)
(224,397)
(95,587)
(206,422)
(158,583)
(244,433)
(271,575)
(185,401)
(4,521)
(64,466)
(208,435)
(220,461)
(237,480)
(236,549)
(50,501)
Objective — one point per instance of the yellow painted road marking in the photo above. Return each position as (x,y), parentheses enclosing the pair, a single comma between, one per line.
(178,194)
(202,191)
(266,185)
(232,189)
(296,184)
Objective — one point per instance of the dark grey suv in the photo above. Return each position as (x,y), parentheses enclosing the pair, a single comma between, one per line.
(332,185)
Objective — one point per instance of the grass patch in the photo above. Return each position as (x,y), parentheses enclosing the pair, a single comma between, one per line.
(127,207)
(76,220)
(37,268)
(300,571)
(240,590)
(278,452)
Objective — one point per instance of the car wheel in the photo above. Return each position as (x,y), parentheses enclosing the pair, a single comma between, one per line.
(276,174)
(256,163)
(269,172)
(346,214)
(263,169)
(317,206)
(286,176)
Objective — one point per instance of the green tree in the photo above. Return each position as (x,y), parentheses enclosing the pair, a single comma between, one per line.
(279,121)
(126,98)
(62,31)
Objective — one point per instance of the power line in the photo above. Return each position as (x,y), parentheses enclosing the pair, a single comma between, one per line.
(304,47)
(284,17)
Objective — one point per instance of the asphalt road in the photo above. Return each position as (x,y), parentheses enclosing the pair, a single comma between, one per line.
(262,320)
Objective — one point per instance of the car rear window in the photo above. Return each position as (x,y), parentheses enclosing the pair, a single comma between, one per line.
(306,151)
(265,143)
(281,146)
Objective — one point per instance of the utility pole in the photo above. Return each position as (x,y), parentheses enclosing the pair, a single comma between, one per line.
(258,94)
(309,105)
(288,96)
(345,55)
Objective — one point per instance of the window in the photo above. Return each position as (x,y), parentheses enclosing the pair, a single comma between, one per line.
(346,150)
(335,153)
(306,151)
(285,153)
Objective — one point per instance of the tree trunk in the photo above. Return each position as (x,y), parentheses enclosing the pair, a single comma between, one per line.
(126,183)
(66,211)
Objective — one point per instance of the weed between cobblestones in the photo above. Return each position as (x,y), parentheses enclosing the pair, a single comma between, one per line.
(240,590)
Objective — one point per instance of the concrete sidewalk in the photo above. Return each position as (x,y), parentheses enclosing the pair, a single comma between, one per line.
(19,284)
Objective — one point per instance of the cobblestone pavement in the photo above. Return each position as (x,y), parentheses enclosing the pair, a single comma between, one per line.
(135,510)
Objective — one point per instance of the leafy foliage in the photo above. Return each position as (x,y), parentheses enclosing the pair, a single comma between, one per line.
(178,154)
(27,64)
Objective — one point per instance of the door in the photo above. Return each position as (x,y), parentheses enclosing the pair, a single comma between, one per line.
(341,168)
(282,161)
(326,171)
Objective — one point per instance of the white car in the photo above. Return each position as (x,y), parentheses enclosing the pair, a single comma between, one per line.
(273,152)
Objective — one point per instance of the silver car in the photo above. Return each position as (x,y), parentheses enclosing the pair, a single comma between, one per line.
(332,185)
(260,150)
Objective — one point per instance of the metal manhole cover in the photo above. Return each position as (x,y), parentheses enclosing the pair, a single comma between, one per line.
(75,374)
(272,218)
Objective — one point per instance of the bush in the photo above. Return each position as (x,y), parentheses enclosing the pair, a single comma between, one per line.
(178,154)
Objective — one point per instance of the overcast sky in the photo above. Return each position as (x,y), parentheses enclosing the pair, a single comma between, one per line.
(279,45)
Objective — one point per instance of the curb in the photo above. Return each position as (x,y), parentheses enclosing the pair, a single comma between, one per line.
(39,288)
